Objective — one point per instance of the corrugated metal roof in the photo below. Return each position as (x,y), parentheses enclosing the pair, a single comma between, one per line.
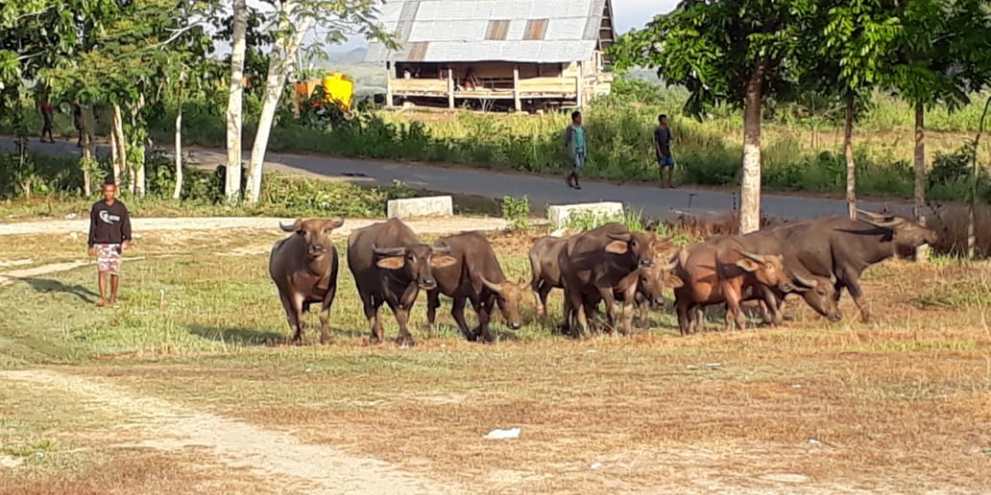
(455,30)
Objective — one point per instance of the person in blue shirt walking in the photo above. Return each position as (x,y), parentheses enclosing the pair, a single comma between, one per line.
(576,141)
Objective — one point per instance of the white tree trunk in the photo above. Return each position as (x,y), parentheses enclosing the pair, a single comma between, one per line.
(280,62)
(750,183)
(87,142)
(121,161)
(177,193)
(922,253)
(851,166)
(232,188)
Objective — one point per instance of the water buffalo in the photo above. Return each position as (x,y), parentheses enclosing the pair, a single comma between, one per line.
(545,270)
(841,249)
(476,277)
(593,263)
(652,281)
(720,271)
(304,268)
(390,265)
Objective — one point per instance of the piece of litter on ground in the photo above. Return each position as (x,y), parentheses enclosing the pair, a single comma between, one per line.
(596,466)
(785,477)
(506,434)
(814,442)
(71,216)
(796,386)
(10,462)
(713,365)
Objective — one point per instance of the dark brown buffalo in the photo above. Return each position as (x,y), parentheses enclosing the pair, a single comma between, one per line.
(390,265)
(545,270)
(475,277)
(720,271)
(304,268)
(592,265)
(841,249)
(652,281)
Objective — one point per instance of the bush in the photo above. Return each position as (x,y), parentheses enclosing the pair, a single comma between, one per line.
(586,220)
(516,211)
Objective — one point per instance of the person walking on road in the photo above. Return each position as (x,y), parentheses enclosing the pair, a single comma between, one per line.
(575,141)
(109,234)
(662,148)
(47,112)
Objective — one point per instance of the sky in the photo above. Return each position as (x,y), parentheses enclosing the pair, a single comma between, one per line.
(629,14)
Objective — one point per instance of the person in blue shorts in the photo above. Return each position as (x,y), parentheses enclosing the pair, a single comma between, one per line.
(662,148)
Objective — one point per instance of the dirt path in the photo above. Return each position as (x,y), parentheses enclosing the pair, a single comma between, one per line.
(423,226)
(295,466)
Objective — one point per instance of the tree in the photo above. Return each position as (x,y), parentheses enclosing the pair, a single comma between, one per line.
(293,20)
(848,57)
(232,188)
(737,51)
(938,59)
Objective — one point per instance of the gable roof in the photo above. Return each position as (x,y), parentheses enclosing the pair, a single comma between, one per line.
(545,31)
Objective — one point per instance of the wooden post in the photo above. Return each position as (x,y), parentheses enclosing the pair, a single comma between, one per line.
(450,88)
(388,85)
(516,88)
(580,83)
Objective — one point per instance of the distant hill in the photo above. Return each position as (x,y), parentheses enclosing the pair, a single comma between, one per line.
(349,57)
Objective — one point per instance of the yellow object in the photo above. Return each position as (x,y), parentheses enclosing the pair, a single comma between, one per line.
(339,90)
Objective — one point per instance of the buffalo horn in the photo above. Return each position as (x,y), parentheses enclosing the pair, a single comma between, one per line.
(291,228)
(810,283)
(492,287)
(396,251)
(621,237)
(756,257)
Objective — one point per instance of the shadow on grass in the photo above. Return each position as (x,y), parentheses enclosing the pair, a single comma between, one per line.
(239,335)
(52,285)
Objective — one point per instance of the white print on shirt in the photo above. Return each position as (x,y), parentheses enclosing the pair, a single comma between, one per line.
(108,218)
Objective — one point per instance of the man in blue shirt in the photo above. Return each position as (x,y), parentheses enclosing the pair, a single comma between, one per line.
(576,143)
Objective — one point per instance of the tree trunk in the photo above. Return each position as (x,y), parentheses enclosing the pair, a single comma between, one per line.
(972,214)
(87,141)
(177,194)
(750,183)
(921,254)
(138,164)
(851,167)
(232,183)
(120,163)
(280,62)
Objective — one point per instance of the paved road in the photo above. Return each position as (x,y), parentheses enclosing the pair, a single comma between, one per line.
(542,191)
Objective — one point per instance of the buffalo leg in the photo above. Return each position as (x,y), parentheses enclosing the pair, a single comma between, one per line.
(433,302)
(484,311)
(576,312)
(371,306)
(458,312)
(697,317)
(684,319)
(293,316)
(734,313)
(401,309)
(328,301)
(606,293)
(542,292)
(852,283)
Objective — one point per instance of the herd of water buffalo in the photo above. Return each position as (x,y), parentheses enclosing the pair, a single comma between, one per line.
(815,259)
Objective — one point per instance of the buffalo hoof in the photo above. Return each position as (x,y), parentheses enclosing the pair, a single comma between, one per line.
(325,339)
(405,341)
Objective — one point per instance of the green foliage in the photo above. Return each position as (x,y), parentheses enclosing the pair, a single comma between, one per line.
(516,211)
(587,220)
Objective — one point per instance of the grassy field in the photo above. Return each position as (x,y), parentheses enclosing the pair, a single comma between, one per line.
(899,405)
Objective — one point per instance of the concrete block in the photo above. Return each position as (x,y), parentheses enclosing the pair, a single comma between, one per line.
(559,214)
(433,206)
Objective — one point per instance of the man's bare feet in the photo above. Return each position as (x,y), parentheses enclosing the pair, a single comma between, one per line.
(101,303)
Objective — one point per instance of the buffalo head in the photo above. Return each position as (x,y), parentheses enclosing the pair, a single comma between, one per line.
(509,297)
(769,269)
(906,235)
(315,233)
(818,293)
(657,277)
(642,246)
(416,262)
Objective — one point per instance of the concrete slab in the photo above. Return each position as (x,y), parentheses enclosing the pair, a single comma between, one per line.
(559,215)
(431,206)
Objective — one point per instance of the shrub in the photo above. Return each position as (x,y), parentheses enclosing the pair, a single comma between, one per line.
(516,211)
(587,220)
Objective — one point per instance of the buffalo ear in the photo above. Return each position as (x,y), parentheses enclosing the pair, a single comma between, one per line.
(442,261)
(748,264)
(673,281)
(391,262)
(617,247)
